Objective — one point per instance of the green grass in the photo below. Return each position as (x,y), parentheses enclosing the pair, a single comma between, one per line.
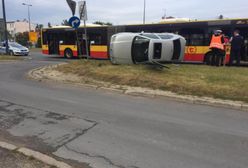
(9,58)
(200,80)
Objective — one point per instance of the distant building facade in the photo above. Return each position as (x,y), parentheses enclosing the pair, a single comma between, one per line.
(18,26)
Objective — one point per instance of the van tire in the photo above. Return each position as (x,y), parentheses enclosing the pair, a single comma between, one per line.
(68,53)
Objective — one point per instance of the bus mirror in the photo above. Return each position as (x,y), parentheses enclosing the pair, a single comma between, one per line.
(92,42)
(61,42)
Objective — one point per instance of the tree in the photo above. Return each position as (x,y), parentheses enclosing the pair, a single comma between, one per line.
(23,38)
(38,44)
(49,25)
(103,23)
(221,17)
(65,23)
(39,27)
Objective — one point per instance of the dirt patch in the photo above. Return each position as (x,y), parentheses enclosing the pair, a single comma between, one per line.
(10,159)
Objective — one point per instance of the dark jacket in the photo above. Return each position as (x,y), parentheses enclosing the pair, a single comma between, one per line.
(237,42)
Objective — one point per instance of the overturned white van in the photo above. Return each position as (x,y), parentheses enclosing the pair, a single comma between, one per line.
(135,48)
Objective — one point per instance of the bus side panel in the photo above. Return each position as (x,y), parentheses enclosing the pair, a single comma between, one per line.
(195,53)
(45,49)
(99,52)
(193,57)
(62,49)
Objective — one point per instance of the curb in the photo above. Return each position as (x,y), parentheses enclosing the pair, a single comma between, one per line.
(37,155)
(39,75)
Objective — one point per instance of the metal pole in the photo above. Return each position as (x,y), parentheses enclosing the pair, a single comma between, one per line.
(86,40)
(5,25)
(29,18)
(144,14)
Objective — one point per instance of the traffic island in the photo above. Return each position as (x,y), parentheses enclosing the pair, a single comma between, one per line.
(198,84)
(13,156)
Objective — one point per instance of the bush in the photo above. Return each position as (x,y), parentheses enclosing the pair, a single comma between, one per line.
(38,44)
(23,38)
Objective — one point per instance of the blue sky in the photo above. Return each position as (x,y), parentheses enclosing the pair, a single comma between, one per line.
(128,11)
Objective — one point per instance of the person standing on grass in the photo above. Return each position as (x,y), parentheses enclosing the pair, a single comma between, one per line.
(237,41)
(217,47)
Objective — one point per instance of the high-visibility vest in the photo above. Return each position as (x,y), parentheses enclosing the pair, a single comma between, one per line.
(216,42)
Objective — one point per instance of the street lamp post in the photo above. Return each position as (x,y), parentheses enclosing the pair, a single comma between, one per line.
(5,26)
(144,14)
(28,5)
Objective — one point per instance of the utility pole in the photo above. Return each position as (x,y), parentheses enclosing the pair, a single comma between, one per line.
(5,27)
(144,14)
(29,20)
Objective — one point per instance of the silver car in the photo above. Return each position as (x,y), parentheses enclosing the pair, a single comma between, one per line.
(134,48)
(14,49)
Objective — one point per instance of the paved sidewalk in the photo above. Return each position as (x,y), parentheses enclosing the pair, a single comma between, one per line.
(12,159)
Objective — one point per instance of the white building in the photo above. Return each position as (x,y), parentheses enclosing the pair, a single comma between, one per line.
(18,26)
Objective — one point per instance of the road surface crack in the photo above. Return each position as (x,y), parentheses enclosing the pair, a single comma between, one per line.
(96,156)
(107,160)
(82,132)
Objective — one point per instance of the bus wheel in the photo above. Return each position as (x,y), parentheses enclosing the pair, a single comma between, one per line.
(68,53)
(208,58)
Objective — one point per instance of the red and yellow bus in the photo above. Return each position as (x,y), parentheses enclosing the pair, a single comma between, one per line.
(66,42)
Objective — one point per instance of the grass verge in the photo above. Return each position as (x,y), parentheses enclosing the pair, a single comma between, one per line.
(225,82)
(9,58)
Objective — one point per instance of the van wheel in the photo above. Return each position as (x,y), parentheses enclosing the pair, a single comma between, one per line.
(68,53)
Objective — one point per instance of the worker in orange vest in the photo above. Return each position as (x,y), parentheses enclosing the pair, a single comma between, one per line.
(217,47)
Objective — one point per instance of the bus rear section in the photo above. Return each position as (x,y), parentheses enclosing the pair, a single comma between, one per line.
(69,43)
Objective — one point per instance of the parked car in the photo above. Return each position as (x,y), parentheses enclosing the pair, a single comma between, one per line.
(135,48)
(14,49)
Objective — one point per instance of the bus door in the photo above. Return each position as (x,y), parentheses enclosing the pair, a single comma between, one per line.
(244,52)
(81,44)
(53,44)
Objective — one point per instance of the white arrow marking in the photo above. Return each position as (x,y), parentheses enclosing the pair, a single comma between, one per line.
(74,23)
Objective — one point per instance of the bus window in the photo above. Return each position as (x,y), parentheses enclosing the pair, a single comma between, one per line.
(68,38)
(97,38)
(194,37)
(197,40)
(44,37)
(246,49)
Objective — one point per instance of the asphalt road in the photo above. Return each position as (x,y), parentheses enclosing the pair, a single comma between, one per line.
(112,130)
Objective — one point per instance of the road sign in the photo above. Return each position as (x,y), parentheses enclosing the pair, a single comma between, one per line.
(82,10)
(74,22)
(33,37)
(72,4)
